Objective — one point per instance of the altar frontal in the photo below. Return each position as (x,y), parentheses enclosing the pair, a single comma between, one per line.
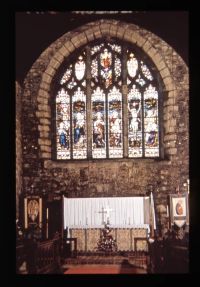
(128,217)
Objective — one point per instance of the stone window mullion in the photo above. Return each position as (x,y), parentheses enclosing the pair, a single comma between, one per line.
(125,101)
(88,103)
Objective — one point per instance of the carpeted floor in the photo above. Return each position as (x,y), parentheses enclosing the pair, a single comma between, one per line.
(103,269)
(135,261)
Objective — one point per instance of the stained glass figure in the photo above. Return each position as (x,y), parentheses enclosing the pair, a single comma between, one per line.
(63,124)
(99,124)
(115,123)
(132,65)
(106,70)
(135,123)
(151,121)
(80,68)
(79,125)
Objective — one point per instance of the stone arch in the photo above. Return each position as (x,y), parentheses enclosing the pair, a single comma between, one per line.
(173,71)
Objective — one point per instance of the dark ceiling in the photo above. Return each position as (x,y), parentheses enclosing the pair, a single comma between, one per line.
(35,31)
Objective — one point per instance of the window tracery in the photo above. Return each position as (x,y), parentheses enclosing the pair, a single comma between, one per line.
(94,111)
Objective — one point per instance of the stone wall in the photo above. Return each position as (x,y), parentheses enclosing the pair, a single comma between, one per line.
(18,102)
(122,177)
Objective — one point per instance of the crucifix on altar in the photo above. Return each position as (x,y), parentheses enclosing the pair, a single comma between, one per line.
(108,210)
(103,214)
(105,211)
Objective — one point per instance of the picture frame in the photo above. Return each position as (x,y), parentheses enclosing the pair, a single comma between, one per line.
(179,209)
(32,211)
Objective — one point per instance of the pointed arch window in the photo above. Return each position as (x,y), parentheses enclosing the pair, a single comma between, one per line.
(107,104)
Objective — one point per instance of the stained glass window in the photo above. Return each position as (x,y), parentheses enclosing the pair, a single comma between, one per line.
(151,121)
(135,123)
(63,124)
(115,123)
(99,124)
(79,124)
(107,104)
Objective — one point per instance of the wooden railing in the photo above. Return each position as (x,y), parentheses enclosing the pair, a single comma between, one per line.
(177,259)
(43,257)
(20,258)
(169,256)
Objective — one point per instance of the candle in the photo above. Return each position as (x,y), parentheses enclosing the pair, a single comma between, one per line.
(40,212)
(47,227)
(25,213)
(188,185)
(177,189)
(167,211)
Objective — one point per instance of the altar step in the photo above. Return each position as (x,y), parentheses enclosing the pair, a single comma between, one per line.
(136,261)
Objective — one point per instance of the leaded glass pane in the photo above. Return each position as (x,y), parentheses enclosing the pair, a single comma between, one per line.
(151,122)
(106,69)
(94,70)
(135,123)
(79,125)
(117,67)
(96,48)
(146,71)
(140,81)
(72,84)
(84,83)
(115,47)
(63,124)
(132,65)
(99,124)
(66,75)
(128,81)
(80,68)
(115,123)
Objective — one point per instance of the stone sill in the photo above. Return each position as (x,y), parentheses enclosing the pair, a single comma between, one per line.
(102,162)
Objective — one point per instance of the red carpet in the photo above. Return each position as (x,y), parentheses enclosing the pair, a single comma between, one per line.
(103,269)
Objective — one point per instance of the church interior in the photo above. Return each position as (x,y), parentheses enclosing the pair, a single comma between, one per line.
(102,142)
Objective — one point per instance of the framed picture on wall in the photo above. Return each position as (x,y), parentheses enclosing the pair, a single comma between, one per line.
(32,211)
(179,210)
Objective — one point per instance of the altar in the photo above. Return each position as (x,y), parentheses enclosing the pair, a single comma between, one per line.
(129,219)
(133,238)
